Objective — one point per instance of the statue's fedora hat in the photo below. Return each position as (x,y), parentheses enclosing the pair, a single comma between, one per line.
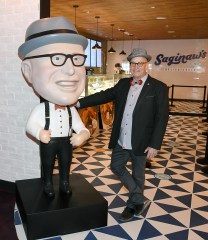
(50,30)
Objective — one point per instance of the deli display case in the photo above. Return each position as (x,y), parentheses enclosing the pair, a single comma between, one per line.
(99,117)
(97,82)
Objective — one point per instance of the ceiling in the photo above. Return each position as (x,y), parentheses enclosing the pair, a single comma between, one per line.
(184,19)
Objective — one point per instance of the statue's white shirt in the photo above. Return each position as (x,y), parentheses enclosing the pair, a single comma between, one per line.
(59,121)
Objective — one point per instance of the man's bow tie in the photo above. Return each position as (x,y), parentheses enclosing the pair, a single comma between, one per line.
(132,82)
(60,107)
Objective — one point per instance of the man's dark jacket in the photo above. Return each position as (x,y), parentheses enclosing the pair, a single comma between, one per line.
(150,116)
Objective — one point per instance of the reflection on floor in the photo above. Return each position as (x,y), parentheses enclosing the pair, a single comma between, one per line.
(179,205)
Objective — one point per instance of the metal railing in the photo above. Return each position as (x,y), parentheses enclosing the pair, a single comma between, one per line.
(204,95)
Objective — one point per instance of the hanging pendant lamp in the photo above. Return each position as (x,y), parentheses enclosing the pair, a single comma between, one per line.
(122,52)
(75,14)
(131,35)
(111,50)
(96,46)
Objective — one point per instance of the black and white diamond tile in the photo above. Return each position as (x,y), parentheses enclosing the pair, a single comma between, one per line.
(187,107)
(179,205)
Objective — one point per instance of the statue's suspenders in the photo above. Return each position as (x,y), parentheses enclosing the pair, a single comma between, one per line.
(47,117)
(70,120)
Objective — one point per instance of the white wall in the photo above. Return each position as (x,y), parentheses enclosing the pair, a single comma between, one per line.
(19,156)
(178,74)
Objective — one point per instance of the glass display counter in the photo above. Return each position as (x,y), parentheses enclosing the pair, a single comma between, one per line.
(97,117)
(90,118)
(97,82)
(103,114)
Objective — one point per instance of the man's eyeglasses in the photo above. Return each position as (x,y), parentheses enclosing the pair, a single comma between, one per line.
(59,59)
(140,64)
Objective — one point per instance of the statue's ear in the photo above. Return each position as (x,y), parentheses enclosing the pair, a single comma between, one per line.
(27,70)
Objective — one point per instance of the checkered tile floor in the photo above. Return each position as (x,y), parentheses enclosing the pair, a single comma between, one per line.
(179,205)
(187,107)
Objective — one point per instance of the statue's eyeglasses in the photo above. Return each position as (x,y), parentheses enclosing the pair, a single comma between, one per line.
(59,59)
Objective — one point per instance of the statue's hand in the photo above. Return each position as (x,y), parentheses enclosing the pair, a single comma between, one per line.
(78,139)
(45,136)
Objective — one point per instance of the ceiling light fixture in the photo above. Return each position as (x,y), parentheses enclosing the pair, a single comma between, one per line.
(111,50)
(96,46)
(161,18)
(122,52)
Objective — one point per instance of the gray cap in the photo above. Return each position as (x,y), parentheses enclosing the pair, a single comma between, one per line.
(50,30)
(139,52)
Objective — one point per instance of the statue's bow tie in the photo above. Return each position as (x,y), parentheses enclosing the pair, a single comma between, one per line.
(60,107)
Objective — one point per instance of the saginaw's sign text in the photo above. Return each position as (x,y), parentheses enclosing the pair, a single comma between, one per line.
(179,58)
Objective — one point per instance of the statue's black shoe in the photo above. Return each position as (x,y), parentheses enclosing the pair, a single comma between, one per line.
(48,190)
(65,188)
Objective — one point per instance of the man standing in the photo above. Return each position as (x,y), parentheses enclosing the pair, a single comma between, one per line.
(141,117)
(53,64)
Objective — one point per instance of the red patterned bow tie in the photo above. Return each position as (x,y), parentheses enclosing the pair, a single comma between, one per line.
(60,107)
(138,82)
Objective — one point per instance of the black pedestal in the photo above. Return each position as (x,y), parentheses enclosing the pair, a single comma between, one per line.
(43,217)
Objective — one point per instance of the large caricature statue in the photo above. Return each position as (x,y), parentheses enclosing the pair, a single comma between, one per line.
(53,63)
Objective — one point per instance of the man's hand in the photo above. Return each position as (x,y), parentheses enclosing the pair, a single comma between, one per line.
(45,136)
(151,152)
(78,139)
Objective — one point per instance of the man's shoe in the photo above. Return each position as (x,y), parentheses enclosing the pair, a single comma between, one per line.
(204,169)
(127,214)
(202,161)
(148,164)
(140,208)
(48,190)
(65,188)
